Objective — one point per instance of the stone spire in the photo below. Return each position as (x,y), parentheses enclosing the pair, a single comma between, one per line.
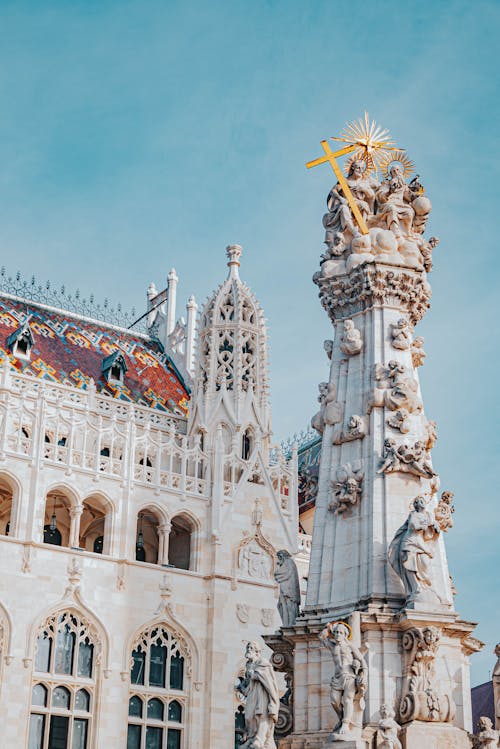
(378,560)
(230,381)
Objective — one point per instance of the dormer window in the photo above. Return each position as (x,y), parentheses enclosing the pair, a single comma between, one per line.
(21,341)
(114,367)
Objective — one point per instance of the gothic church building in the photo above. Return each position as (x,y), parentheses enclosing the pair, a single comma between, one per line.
(141,509)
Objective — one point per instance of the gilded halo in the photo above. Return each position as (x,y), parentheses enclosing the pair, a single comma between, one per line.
(397,157)
(331,625)
(372,142)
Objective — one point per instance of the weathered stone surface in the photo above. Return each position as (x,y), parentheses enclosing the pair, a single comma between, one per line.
(434,736)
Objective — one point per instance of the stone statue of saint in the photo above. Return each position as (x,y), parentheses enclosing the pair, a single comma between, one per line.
(262,701)
(393,198)
(349,680)
(409,552)
(388,729)
(487,737)
(286,575)
(339,216)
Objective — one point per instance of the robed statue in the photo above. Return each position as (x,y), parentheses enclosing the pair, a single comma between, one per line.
(287,576)
(262,701)
(410,551)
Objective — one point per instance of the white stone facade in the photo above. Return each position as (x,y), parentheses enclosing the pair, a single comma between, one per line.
(128,477)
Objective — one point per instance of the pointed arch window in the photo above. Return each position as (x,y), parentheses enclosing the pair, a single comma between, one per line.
(247,444)
(158,692)
(64,684)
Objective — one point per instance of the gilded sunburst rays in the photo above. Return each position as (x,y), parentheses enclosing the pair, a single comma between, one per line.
(373,143)
(397,157)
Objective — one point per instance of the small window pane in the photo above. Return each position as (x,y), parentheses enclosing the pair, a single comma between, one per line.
(134,737)
(154,738)
(39,695)
(173,739)
(43,649)
(65,650)
(58,732)
(82,701)
(175,712)
(60,698)
(135,707)
(157,667)
(176,672)
(37,726)
(155,710)
(137,673)
(79,734)
(85,658)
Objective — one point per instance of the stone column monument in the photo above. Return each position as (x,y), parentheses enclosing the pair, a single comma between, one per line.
(379,593)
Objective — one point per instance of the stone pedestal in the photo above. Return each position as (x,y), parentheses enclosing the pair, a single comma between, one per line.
(320,740)
(335,743)
(420,735)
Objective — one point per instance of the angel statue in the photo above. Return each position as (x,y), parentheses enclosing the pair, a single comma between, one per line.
(487,737)
(287,577)
(388,729)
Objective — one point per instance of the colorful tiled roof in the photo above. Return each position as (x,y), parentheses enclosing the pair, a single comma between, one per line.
(309,457)
(70,350)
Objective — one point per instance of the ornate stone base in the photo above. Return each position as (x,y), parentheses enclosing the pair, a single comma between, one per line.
(320,740)
(419,735)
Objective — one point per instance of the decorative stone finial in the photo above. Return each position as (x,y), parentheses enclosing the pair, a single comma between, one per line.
(233,252)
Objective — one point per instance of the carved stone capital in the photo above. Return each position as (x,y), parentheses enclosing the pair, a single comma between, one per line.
(375,285)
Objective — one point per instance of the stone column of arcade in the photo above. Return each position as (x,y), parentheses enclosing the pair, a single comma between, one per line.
(379,653)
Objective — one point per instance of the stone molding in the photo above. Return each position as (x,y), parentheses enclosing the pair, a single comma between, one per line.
(374,285)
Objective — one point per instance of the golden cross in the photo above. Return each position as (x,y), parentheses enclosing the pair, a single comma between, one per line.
(330,156)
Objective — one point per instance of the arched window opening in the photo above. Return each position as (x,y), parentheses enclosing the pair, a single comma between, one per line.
(226,438)
(57,522)
(239,727)
(179,546)
(6,507)
(22,348)
(158,692)
(147,537)
(94,524)
(246,444)
(63,691)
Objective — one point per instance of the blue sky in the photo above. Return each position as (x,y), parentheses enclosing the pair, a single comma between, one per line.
(139,135)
